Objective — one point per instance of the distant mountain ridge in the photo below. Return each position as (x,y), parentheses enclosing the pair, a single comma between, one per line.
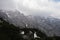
(50,26)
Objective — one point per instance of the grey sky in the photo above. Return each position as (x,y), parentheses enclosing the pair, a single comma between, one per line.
(33,7)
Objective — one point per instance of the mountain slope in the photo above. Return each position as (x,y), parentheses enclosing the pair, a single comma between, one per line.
(50,26)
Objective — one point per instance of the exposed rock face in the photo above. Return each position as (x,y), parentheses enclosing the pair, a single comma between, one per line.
(50,26)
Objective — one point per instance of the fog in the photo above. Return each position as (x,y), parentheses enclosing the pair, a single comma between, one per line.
(33,7)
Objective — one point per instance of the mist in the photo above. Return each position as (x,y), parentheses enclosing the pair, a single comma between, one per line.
(33,7)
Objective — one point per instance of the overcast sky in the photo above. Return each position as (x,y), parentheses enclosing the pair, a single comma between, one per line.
(33,7)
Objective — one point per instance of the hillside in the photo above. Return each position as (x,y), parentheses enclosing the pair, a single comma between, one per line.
(50,26)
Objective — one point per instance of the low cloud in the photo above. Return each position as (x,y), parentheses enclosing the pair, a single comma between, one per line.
(34,7)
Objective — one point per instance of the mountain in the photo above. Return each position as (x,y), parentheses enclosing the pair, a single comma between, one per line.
(50,26)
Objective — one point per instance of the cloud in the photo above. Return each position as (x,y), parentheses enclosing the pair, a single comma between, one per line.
(35,7)
(40,7)
(7,4)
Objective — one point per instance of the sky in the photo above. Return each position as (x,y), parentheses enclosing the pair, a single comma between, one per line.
(33,7)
